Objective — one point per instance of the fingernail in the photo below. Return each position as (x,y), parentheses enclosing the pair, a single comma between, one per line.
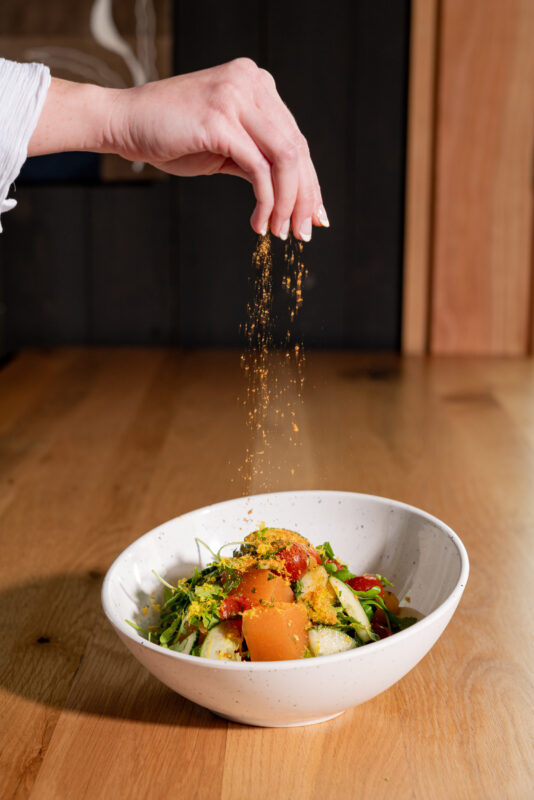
(284,230)
(306,230)
(263,230)
(322,216)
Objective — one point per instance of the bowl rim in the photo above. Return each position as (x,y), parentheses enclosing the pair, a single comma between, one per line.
(397,639)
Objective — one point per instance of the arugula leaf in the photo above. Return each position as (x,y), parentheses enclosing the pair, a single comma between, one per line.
(167,594)
(355,625)
(344,574)
(138,627)
(384,581)
(210,590)
(405,622)
(163,581)
(231,579)
(195,578)
(326,548)
(330,568)
(228,544)
(169,632)
(216,556)
(368,594)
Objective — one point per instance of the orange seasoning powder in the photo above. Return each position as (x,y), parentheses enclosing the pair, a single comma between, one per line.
(274,375)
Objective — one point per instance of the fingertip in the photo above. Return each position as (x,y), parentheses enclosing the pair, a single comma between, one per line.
(258,225)
(303,230)
(322,216)
(284,230)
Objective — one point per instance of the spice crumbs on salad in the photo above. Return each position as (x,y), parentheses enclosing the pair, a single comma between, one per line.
(277,597)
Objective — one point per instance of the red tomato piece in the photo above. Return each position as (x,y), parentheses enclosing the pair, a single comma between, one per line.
(234,605)
(297,559)
(314,554)
(362,583)
(338,564)
(381,630)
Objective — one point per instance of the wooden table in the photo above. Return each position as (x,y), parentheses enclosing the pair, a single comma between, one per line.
(99,446)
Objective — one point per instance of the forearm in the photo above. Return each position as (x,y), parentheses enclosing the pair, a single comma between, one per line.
(75,116)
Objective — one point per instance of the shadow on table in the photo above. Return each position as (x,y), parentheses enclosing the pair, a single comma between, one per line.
(58,649)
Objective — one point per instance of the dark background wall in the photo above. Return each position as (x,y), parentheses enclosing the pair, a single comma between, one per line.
(169,262)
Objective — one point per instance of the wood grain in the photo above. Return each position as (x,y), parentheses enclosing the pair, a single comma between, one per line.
(99,446)
(483,206)
(419,177)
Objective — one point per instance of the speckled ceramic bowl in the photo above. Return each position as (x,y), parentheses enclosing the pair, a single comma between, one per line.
(423,557)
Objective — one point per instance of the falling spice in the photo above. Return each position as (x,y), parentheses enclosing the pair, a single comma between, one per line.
(274,375)
(296,273)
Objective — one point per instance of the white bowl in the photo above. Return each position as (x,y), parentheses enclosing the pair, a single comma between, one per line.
(423,557)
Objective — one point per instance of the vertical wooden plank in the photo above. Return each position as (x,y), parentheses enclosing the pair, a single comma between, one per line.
(419,175)
(483,211)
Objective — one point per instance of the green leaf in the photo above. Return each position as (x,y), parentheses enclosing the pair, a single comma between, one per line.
(369,609)
(228,544)
(358,626)
(343,574)
(326,549)
(369,594)
(169,632)
(209,590)
(138,627)
(405,622)
(330,568)
(208,548)
(163,581)
(383,581)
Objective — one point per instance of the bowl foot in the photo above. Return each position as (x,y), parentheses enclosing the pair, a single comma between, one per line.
(258,724)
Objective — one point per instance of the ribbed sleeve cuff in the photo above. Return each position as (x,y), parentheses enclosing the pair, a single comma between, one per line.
(23,89)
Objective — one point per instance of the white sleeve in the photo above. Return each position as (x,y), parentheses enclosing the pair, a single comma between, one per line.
(23,89)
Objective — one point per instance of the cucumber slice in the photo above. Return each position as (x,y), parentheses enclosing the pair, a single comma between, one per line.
(221,643)
(187,644)
(353,607)
(325,641)
(314,577)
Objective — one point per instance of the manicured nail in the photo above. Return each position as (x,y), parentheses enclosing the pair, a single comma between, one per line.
(322,216)
(306,230)
(284,230)
(263,230)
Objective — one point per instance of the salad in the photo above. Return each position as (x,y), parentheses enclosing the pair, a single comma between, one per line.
(275,598)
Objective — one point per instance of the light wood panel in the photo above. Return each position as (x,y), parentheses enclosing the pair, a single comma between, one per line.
(419,176)
(482,259)
(100,446)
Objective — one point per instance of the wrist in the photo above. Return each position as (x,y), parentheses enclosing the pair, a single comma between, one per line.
(75,116)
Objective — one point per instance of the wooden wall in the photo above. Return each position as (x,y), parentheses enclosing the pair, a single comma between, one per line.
(469,229)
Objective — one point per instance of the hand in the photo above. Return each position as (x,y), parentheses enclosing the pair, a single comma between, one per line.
(227,119)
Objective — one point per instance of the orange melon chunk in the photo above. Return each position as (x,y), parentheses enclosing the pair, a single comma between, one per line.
(277,632)
(261,586)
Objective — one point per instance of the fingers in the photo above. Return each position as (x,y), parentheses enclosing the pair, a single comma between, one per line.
(251,162)
(308,202)
(297,195)
(320,217)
